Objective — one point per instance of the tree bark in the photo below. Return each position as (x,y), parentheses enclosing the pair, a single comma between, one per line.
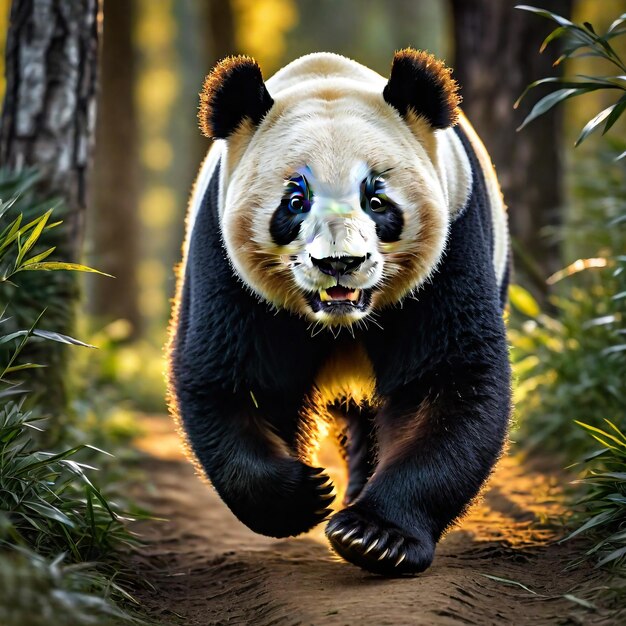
(497,56)
(49,107)
(221,41)
(113,223)
(47,124)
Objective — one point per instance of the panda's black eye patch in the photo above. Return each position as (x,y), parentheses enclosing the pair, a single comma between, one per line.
(375,202)
(295,204)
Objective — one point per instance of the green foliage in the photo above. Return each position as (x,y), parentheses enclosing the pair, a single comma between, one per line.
(47,502)
(50,509)
(603,513)
(573,366)
(566,370)
(127,375)
(19,240)
(35,591)
(30,241)
(581,40)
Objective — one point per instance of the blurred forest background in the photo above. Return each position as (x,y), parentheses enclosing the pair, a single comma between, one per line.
(567,211)
(148,148)
(154,57)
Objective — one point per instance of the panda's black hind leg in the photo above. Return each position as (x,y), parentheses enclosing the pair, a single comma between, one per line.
(359,445)
(438,441)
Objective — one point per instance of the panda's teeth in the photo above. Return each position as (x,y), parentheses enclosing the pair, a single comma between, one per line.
(339,294)
(324,297)
(353,296)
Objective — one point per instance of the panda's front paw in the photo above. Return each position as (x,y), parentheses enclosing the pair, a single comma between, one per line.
(362,537)
(288,501)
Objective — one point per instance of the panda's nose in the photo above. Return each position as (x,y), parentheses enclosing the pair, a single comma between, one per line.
(338,265)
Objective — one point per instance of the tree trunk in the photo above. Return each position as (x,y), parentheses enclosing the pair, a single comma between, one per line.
(497,56)
(221,40)
(47,123)
(113,223)
(49,107)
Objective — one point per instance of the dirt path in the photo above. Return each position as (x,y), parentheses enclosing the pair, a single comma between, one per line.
(210,569)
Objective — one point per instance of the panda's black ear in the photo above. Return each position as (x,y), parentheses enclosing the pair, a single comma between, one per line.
(423,84)
(232,92)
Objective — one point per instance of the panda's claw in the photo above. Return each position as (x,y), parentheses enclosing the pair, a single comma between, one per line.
(323,513)
(361,537)
(372,545)
(326,487)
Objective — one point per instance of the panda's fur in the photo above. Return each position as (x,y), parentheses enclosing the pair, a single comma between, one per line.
(415,375)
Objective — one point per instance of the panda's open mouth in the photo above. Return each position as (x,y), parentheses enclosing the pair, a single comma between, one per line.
(340,294)
(340,299)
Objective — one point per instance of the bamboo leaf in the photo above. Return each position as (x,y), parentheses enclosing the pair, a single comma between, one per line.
(50,512)
(616,554)
(617,22)
(593,123)
(587,83)
(549,101)
(601,432)
(557,33)
(57,265)
(594,521)
(33,237)
(608,81)
(23,366)
(616,113)
(12,336)
(6,205)
(11,234)
(621,476)
(59,338)
(614,349)
(543,13)
(39,257)
(585,603)
(508,581)
(616,429)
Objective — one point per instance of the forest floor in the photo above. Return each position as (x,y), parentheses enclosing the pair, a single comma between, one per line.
(208,569)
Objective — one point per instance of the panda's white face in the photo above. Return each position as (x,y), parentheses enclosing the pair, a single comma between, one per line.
(333,207)
(335,232)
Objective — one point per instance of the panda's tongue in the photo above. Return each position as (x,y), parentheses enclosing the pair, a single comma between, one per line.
(339,293)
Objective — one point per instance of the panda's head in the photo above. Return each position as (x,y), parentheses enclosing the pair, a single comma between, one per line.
(331,199)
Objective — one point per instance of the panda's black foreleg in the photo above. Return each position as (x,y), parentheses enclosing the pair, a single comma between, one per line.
(251,466)
(438,443)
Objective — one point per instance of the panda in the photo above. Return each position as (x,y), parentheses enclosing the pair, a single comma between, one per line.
(345,264)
